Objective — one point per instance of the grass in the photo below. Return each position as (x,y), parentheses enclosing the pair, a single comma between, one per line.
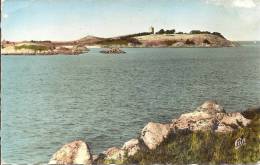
(32,47)
(120,41)
(205,147)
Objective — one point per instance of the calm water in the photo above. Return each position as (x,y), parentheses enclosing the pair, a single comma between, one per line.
(106,100)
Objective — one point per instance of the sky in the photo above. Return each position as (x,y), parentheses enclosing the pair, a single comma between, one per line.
(73,19)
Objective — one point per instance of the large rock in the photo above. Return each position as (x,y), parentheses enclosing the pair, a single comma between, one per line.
(132,147)
(195,121)
(153,134)
(114,153)
(210,116)
(235,119)
(211,107)
(76,152)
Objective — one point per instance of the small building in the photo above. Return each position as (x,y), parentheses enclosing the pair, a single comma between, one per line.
(151,30)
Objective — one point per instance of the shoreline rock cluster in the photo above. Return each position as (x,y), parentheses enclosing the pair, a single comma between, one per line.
(209,117)
(113,51)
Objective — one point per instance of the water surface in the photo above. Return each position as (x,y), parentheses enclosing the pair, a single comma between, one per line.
(105,100)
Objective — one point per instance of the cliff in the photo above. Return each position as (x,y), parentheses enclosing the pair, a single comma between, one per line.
(184,40)
(207,135)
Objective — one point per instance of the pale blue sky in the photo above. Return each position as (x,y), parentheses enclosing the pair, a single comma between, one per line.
(73,19)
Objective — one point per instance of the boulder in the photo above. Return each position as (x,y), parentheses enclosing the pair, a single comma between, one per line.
(153,134)
(194,121)
(114,153)
(235,119)
(132,147)
(251,113)
(222,128)
(211,107)
(76,152)
(210,117)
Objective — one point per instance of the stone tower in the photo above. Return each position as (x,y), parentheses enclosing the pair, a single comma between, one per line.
(151,30)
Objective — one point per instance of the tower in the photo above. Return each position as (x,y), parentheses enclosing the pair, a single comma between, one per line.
(151,30)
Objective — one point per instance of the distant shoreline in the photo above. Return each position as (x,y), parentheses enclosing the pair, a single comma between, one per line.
(139,40)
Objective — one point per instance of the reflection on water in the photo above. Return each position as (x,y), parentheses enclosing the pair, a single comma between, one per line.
(105,100)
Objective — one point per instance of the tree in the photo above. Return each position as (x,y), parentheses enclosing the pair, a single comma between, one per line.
(195,32)
(161,31)
(218,34)
(170,31)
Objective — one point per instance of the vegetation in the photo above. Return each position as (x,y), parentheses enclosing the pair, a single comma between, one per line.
(136,35)
(205,147)
(206,32)
(120,41)
(218,34)
(189,42)
(162,31)
(169,42)
(205,41)
(32,47)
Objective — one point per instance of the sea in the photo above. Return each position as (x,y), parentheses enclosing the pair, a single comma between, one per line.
(105,100)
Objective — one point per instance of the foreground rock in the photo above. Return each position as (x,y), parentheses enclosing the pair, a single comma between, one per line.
(153,134)
(76,152)
(133,146)
(206,134)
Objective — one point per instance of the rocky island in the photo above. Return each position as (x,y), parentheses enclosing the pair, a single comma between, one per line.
(112,51)
(207,135)
(162,38)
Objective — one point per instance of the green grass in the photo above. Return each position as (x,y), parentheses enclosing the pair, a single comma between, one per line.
(120,41)
(205,147)
(32,47)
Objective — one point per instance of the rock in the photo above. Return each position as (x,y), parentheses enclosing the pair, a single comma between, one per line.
(114,153)
(95,157)
(251,112)
(194,121)
(132,147)
(153,134)
(210,117)
(76,152)
(112,51)
(235,119)
(211,107)
(222,128)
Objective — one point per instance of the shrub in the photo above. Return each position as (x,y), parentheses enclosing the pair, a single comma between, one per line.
(205,41)
(195,32)
(218,34)
(170,31)
(161,31)
(32,47)
(189,42)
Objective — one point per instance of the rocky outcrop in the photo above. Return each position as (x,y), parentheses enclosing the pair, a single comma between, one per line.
(113,51)
(209,117)
(184,40)
(76,152)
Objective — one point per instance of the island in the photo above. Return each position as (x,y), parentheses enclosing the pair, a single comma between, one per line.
(161,39)
(208,135)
